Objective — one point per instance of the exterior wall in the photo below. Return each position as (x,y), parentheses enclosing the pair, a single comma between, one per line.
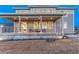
(37,11)
(70,23)
(7,28)
(69,19)
(58,26)
(65,25)
(23,11)
(1,28)
(40,11)
(16,27)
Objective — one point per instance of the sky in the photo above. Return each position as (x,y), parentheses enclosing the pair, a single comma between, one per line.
(8,9)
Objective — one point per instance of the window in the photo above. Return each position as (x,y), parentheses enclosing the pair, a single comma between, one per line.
(65,25)
(44,26)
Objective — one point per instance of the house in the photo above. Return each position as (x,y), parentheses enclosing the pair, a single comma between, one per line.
(41,20)
(5,28)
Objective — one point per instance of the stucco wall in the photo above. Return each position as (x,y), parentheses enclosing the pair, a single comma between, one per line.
(69,20)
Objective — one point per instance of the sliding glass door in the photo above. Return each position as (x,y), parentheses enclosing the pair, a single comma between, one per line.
(35,26)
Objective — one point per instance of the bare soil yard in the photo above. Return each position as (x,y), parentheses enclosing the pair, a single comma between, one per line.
(40,46)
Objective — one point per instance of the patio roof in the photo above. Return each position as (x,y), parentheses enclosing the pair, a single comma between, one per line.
(16,14)
(13,16)
(34,6)
(43,6)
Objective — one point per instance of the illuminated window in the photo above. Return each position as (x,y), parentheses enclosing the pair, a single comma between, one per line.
(65,25)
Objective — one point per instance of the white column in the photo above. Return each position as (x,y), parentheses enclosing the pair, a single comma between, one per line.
(52,27)
(73,21)
(56,28)
(19,24)
(14,27)
(40,24)
(62,25)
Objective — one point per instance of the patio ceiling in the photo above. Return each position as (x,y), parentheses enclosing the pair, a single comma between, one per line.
(14,16)
(44,18)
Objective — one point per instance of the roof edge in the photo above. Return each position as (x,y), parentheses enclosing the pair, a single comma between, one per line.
(34,6)
(65,8)
(14,14)
(42,6)
(20,8)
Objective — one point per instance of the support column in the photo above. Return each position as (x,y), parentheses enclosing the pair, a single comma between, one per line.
(19,24)
(61,26)
(73,21)
(62,20)
(52,26)
(40,24)
(56,28)
(14,27)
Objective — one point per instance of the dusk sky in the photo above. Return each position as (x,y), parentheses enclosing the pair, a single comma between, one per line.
(8,8)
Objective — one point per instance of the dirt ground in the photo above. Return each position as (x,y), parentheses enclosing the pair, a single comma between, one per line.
(65,46)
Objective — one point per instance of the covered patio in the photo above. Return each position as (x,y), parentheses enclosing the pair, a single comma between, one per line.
(29,26)
(42,21)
